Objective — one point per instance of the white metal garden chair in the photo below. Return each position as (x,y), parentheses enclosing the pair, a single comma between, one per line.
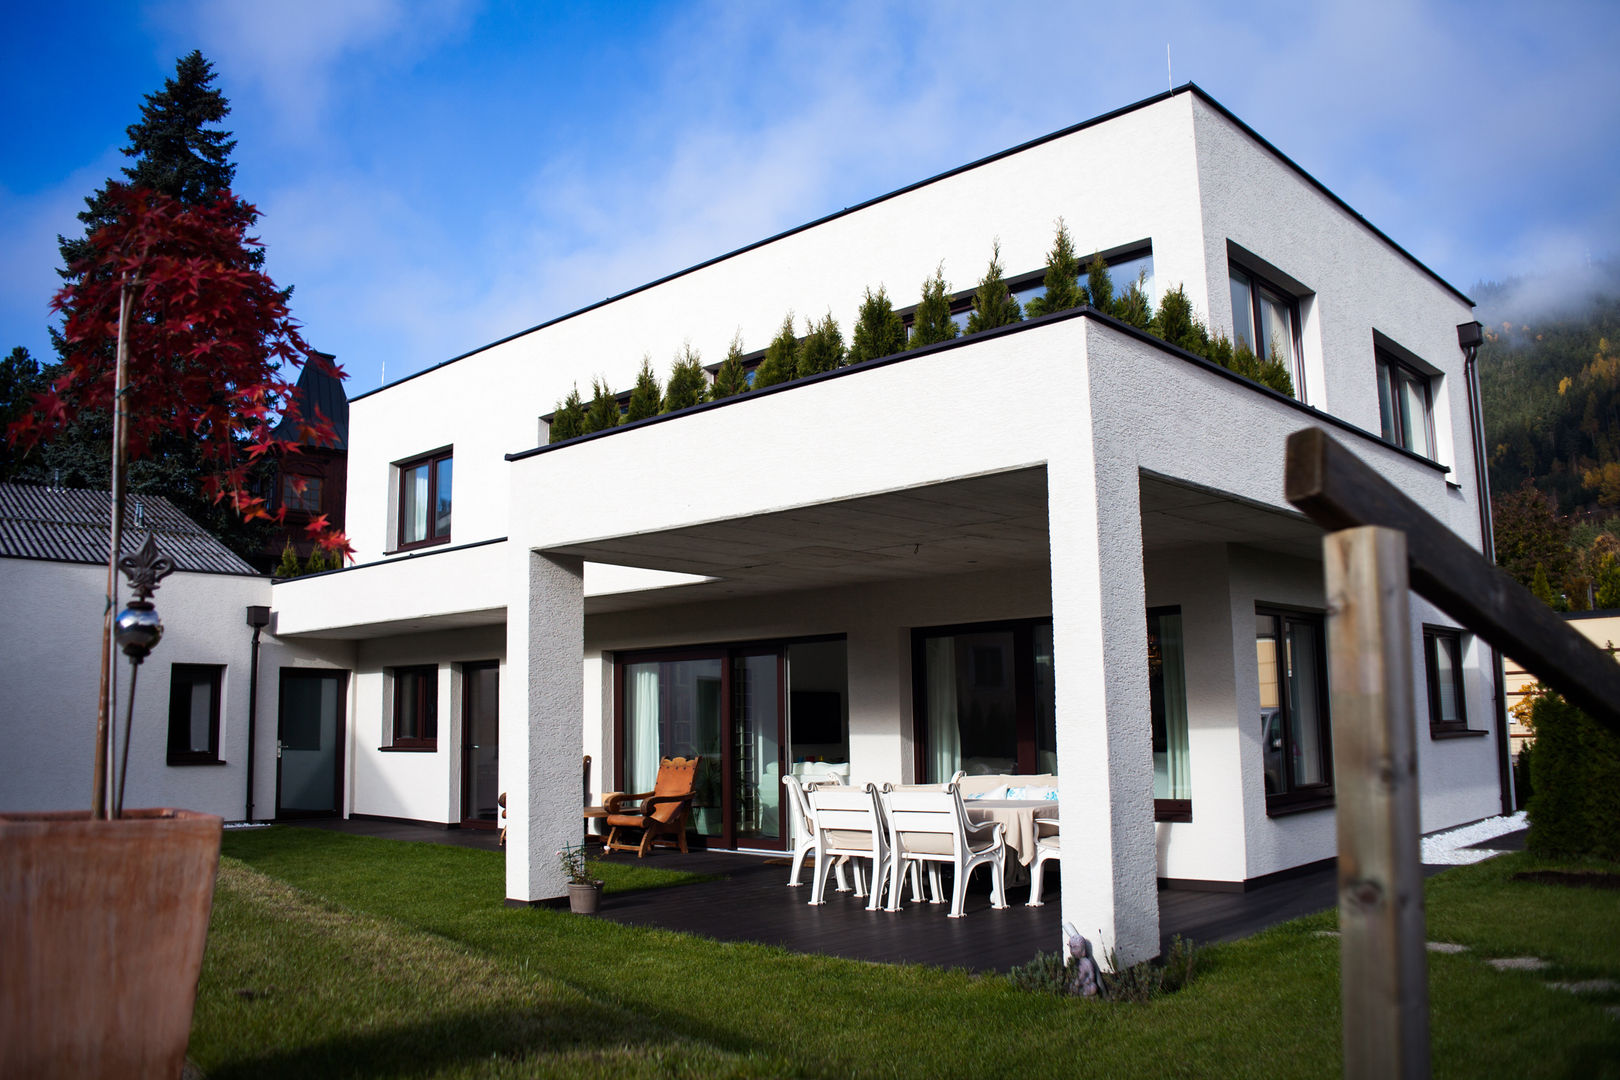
(804,844)
(849,823)
(930,825)
(1047,847)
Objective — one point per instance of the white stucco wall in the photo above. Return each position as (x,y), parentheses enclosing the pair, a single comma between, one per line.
(49,680)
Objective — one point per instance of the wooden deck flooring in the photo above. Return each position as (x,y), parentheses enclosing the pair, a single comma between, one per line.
(752,903)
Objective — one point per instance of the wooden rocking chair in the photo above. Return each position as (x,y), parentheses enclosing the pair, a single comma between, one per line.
(663,810)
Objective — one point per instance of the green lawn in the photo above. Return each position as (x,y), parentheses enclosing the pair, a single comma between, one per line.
(334,955)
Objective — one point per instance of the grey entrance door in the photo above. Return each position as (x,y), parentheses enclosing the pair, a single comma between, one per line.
(480,749)
(309,743)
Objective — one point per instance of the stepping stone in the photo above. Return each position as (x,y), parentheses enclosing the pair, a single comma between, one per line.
(1327,933)
(1518,963)
(1446,947)
(1614,1011)
(1587,986)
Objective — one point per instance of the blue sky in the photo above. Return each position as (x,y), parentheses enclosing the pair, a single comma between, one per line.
(436,176)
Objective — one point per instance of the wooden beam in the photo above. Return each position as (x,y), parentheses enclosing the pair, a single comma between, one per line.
(1383,964)
(1337,490)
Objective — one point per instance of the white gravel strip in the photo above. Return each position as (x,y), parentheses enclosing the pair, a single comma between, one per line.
(1454,848)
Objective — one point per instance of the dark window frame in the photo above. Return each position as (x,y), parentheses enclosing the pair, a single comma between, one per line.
(1023,680)
(431,462)
(1258,283)
(179,750)
(1294,799)
(1386,360)
(427,705)
(1438,727)
(293,502)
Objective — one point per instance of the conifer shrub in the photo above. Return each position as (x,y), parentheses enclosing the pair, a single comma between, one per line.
(822,349)
(1608,585)
(1132,306)
(1062,281)
(731,379)
(878,329)
(569,419)
(604,409)
(1099,284)
(933,321)
(781,363)
(688,384)
(645,398)
(1176,323)
(319,562)
(287,566)
(993,303)
(1574,809)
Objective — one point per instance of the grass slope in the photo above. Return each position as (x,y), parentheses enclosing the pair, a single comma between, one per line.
(333,955)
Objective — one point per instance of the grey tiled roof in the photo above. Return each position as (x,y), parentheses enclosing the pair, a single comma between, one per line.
(71,525)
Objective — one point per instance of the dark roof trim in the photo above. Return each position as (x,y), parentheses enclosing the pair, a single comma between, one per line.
(390,559)
(249,575)
(1087,312)
(1185,88)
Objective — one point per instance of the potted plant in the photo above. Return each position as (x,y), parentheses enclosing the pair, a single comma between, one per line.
(584,891)
(104,912)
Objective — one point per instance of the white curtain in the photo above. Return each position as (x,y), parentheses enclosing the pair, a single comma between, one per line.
(641,727)
(1174,678)
(944,734)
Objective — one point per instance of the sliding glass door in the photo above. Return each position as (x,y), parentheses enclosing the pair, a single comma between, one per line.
(984,699)
(728,704)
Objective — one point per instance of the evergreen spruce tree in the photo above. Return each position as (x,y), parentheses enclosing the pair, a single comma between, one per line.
(1063,288)
(993,303)
(933,321)
(604,408)
(569,419)
(1099,284)
(731,379)
(688,383)
(781,362)
(1542,587)
(878,330)
(318,562)
(822,348)
(646,398)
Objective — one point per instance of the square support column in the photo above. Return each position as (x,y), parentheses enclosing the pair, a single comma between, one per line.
(542,723)
(1104,737)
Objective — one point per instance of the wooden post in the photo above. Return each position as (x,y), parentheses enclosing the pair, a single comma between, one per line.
(1383,963)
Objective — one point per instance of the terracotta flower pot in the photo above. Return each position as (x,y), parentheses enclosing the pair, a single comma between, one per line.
(102,927)
(583,899)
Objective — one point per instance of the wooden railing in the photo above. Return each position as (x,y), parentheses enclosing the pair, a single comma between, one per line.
(1381,544)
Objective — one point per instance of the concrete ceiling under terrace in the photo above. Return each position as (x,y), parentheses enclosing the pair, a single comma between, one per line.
(960,526)
(1179,515)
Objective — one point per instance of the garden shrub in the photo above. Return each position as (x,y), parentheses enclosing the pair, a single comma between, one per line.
(604,410)
(1575,776)
(878,330)
(1050,973)
(993,303)
(1063,288)
(822,348)
(933,322)
(1099,284)
(781,357)
(646,398)
(688,385)
(731,379)
(569,419)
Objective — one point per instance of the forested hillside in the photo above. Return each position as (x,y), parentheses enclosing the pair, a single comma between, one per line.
(1550,383)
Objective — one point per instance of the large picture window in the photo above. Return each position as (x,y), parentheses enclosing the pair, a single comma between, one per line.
(416,707)
(194,713)
(425,490)
(1294,732)
(985,699)
(1167,707)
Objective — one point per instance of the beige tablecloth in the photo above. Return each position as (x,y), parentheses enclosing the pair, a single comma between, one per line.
(1018,816)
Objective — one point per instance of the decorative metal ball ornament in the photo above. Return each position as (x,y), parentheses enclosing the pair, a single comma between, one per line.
(138,630)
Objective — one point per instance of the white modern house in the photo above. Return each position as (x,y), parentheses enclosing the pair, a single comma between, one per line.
(1058,547)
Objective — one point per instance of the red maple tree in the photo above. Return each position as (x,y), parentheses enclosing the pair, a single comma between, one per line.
(208,339)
